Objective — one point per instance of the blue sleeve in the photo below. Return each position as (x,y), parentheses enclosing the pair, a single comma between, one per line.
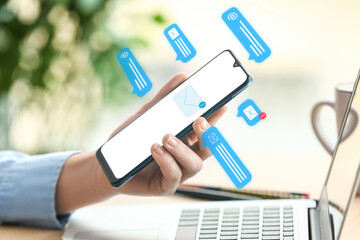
(27,188)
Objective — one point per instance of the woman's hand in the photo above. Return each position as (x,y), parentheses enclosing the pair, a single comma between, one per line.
(82,180)
(178,160)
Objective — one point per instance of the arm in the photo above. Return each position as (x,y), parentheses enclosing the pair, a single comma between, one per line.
(83,182)
(41,190)
(27,188)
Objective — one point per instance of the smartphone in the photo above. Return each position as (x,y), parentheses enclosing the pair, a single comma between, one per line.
(202,94)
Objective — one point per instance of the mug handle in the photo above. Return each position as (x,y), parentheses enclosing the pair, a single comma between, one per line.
(351,124)
(319,131)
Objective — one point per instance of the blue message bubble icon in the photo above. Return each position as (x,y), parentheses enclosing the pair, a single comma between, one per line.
(180,43)
(134,72)
(246,34)
(250,112)
(227,157)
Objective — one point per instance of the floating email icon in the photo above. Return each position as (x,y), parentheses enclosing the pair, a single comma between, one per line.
(250,112)
(136,75)
(246,34)
(173,33)
(180,43)
(188,101)
(227,157)
(213,138)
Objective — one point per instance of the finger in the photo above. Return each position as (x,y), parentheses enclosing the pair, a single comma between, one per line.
(192,138)
(217,115)
(188,159)
(171,172)
(200,126)
(168,87)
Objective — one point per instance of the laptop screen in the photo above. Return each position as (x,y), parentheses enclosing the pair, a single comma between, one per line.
(343,175)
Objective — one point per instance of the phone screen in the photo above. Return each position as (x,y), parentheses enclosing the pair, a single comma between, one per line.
(190,100)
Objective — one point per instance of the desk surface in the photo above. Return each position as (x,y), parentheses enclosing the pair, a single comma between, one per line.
(263,179)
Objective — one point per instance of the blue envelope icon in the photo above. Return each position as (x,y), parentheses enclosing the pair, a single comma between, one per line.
(188,101)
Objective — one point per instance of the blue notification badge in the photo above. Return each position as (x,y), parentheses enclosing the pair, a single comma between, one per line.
(246,34)
(250,112)
(134,72)
(179,42)
(226,156)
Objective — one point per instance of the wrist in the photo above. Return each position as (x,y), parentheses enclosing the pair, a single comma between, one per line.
(81,182)
(101,181)
(95,175)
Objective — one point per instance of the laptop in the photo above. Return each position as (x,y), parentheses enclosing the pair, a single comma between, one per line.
(294,219)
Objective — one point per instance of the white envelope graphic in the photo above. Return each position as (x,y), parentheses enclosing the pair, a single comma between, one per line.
(173,33)
(188,101)
(250,112)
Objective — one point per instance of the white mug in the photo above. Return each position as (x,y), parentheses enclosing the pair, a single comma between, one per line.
(342,96)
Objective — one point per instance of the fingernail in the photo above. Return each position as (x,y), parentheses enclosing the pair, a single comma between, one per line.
(205,125)
(159,149)
(172,141)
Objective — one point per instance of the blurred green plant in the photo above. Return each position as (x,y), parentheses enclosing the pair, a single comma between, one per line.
(58,66)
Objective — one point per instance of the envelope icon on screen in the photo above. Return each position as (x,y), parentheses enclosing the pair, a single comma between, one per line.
(188,101)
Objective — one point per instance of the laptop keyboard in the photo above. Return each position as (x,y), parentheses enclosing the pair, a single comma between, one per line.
(249,223)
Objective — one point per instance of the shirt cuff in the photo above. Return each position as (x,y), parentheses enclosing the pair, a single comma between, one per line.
(28,188)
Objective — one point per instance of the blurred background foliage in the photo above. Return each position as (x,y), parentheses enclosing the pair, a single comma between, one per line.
(58,67)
